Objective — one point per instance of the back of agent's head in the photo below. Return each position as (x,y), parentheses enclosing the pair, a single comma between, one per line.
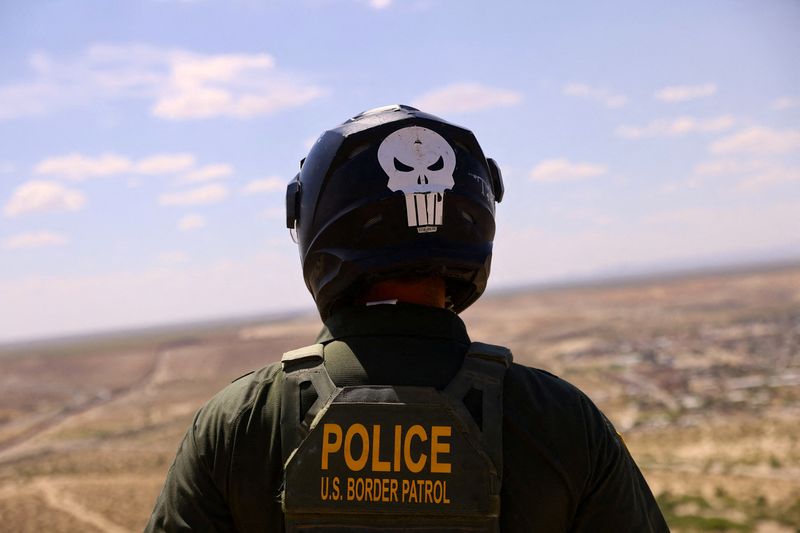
(394,193)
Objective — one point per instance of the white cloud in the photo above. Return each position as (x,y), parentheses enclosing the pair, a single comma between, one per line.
(173,83)
(751,175)
(676,127)
(786,102)
(43,196)
(678,185)
(207,173)
(165,163)
(192,69)
(172,257)
(598,94)
(78,167)
(758,140)
(208,194)
(683,93)
(728,167)
(562,170)
(96,75)
(26,99)
(34,239)
(264,185)
(380,4)
(191,222)
(770,177)
(235,85)
(466,97)
(204,102)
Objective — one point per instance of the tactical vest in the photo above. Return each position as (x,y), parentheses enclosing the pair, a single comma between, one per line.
(393,458)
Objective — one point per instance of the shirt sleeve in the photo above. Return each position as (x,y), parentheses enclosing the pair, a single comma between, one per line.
(616,496)
(191,499)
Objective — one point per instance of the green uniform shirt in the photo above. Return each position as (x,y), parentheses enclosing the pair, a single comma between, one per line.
(565,468)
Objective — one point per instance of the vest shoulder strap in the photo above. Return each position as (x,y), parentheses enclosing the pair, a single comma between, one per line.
(479,384)
(303,368)
(483,364)
(491,352)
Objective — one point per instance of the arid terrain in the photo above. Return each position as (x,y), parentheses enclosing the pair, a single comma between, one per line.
(700,373)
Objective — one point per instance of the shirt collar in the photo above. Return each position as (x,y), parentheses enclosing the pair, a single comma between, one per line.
(403,320)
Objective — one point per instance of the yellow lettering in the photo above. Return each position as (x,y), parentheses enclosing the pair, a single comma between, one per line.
(414,431)
(384,490)
(377,464)
(438,447)
(352,463)
(323,488)
(329,446)
(359,489)
(412,493)
(398,437)
(440,492)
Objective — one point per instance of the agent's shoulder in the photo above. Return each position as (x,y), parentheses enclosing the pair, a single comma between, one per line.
(243,394)
(537,393)
(530,380)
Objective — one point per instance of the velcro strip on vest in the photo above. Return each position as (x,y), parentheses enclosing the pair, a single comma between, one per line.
(306,354)
(491,352)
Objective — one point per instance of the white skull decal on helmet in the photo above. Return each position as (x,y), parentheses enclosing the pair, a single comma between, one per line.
(420,163)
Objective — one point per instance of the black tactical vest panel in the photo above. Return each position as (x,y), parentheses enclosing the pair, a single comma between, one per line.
(384,458)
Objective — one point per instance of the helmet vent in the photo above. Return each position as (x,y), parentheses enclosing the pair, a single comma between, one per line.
(371,222)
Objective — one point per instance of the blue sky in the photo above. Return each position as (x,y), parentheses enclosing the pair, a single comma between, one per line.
(145,145)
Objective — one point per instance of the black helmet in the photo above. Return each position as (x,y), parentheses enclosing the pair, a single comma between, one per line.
(394,193)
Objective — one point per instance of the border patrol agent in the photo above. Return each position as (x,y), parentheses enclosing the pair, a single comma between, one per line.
(395,420)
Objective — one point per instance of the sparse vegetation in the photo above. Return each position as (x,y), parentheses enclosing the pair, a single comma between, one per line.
(699,374)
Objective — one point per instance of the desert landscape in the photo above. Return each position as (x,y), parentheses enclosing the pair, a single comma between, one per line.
(700,373)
